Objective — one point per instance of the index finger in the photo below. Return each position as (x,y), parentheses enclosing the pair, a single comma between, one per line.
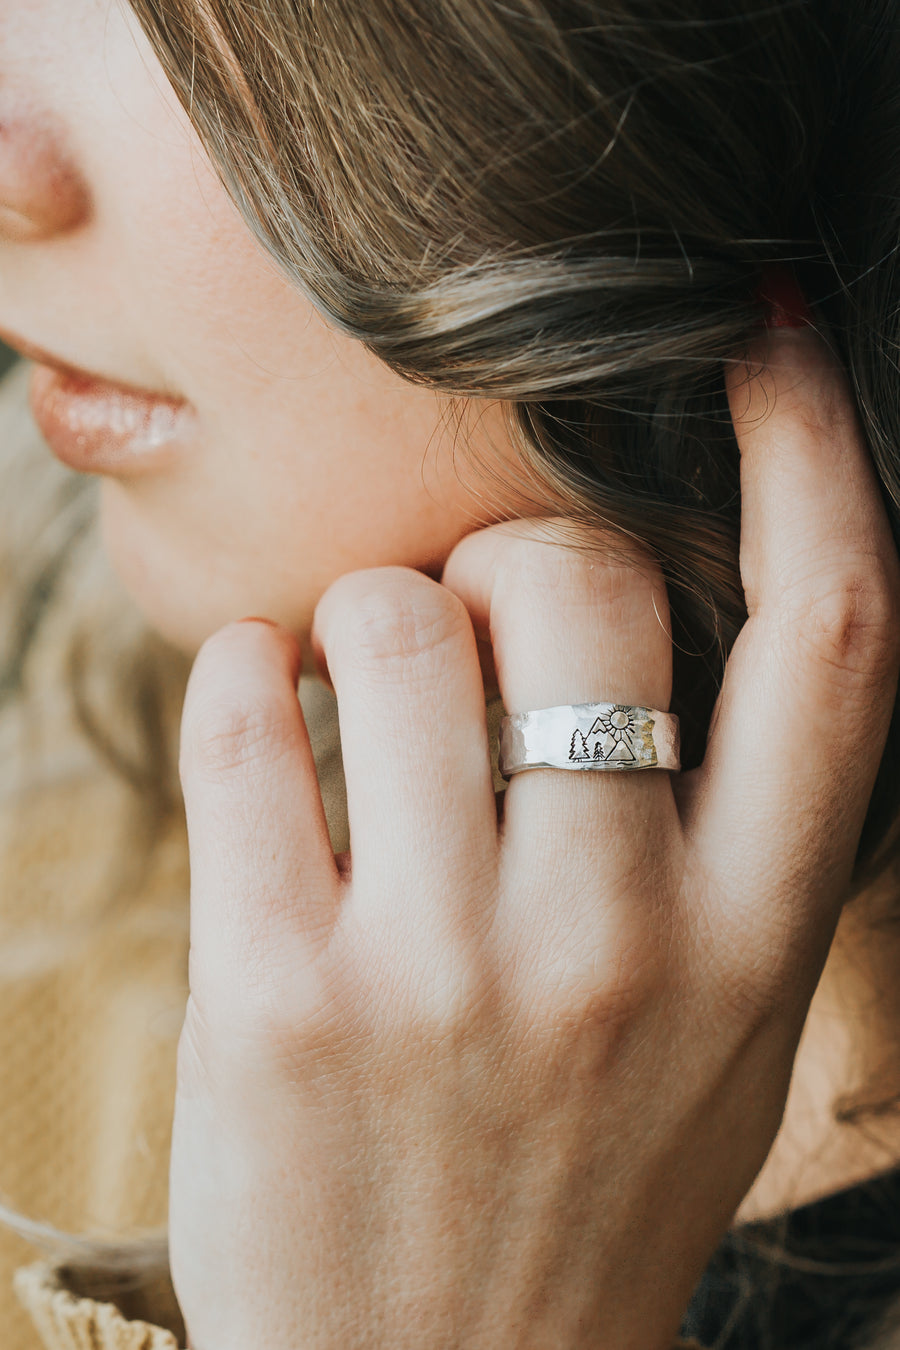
(810,685)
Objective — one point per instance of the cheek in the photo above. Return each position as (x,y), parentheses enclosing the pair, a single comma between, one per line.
(267,535)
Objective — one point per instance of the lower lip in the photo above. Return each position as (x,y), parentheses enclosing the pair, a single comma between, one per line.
(96,427)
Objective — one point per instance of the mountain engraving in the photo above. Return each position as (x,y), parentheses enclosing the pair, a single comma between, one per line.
(610,739)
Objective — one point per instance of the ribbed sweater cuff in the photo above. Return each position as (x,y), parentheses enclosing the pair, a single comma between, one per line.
(67,1321)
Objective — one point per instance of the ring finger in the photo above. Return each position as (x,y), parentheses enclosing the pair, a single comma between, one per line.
(573,625)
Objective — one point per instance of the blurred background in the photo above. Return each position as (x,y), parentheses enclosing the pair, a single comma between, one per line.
(6,358)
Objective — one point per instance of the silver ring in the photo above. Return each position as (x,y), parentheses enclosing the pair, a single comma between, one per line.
(595,736)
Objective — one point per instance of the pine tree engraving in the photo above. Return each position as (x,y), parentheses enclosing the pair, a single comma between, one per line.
(578,748)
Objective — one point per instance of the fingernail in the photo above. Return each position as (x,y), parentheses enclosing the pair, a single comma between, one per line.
(255,618)
(785,304)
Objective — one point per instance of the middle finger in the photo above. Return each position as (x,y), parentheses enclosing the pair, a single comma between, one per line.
(402,658)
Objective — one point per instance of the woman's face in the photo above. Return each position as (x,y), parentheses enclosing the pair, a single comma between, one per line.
(296,456)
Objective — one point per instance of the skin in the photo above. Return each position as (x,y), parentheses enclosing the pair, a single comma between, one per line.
(310,459)
(409,1078)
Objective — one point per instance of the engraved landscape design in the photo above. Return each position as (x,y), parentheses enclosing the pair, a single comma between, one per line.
(618,738)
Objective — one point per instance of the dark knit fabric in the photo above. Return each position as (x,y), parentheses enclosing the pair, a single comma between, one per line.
(816,1278)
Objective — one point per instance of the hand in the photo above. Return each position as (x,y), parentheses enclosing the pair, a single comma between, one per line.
(505,1087)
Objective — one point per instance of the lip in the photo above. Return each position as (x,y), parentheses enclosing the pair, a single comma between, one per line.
(99,425)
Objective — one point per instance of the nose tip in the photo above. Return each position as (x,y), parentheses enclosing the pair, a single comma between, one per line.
(42,193)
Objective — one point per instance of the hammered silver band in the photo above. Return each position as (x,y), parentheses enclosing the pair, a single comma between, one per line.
(595,736)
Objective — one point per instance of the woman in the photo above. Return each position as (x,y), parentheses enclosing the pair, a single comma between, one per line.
(465,427)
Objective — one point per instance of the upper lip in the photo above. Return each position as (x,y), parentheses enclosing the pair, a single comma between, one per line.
(33,352)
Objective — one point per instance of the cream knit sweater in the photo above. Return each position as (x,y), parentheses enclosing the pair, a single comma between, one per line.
(93,958)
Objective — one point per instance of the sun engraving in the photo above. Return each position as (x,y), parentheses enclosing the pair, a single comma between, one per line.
(609,740)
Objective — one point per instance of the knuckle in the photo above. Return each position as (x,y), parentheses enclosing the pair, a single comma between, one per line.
(583,1028)
(250,1014)
(225,737)
(590,1011)
(403,617)
(850,624)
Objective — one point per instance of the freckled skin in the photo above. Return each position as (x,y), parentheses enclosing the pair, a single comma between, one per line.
(311,458)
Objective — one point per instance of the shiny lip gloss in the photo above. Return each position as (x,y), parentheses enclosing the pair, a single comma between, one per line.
(96,426)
